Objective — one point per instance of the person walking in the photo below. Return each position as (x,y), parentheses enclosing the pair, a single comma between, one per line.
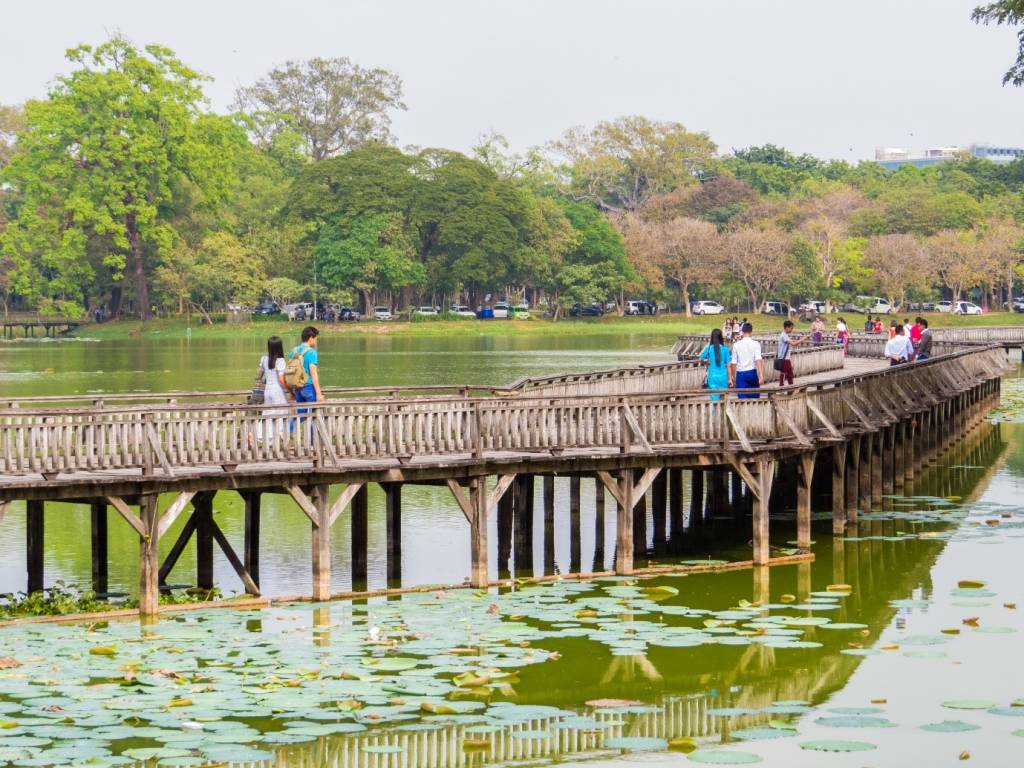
(924,346)
(869,325)
(306,387)
(898,349)
(817,330)
(272,367)
(784,353)
(842,334)
(747,366)
(716,356)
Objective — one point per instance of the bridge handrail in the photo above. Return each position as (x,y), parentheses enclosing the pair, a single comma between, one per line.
(166,437)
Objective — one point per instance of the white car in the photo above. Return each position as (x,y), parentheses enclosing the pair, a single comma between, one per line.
(425,311)
(461,311)
(502,311)
(944,306)
(708,308)
(875,305)
(967,308)
(382,313)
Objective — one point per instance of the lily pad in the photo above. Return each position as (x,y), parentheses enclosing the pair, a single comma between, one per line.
(724,757)
(950,726)
(829,745)
(635,743)
(968,704)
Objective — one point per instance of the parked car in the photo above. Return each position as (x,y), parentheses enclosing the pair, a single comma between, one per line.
(303,311)
(502,311)
(426,311)
(586,310)
(708,308)
(967,308)
(521,311)
(641,308)
(1018,305)
(873,305)
(460,310)
(382,313)
(817,306)
(944,306)
(348,314)
(777,308)
(270,308)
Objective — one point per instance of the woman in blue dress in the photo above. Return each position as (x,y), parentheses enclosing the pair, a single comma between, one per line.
(717,357)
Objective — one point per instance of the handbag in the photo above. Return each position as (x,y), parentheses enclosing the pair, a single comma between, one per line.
(258,392)
(777,363)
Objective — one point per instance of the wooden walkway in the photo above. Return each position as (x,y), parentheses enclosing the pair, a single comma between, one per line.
(28,323)
(867,426)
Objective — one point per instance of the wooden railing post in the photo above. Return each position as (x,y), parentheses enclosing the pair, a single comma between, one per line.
(478,431)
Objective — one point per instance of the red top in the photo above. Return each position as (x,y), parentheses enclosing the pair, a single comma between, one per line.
(915,333)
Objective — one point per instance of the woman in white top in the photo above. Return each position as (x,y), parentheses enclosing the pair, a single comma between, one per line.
(272,365)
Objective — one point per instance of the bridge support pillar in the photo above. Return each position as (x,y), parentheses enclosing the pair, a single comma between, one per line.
(575,484)
(478,534)
(675,502)
(523,489)
(599,503)
(322,543)
(888,435)
(393,524)
(909,445)
(251,544)
(34,528)
(852,479)
(506,506)
(805,480)
(839,488)
(762,490)
(202,503)
(899,454)
(624,525)
(100,560)
(659,511)
(877,467)
(149,562)
(639,519)
(696,497)
(864,495)
(360,537)
(548,495)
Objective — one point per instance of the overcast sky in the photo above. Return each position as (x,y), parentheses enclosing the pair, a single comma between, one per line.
(830,77)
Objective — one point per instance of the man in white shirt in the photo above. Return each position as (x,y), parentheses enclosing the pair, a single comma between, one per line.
(899,349)
(746,365)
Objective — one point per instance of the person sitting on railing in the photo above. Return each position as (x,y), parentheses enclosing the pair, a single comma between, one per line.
(898,349)
(747,366)
(924,346)
(717,357)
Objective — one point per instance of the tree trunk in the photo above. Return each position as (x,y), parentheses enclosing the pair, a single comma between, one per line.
(141,284)
(686,299)
(116,295)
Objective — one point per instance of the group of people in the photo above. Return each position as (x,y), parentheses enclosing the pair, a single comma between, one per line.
(295,378)
(908,342)
(742,366)
(732,329)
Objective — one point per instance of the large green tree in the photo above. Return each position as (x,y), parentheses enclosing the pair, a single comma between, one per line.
(102,158)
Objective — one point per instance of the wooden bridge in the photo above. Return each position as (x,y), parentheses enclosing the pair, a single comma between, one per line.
(635,431)
(28,323)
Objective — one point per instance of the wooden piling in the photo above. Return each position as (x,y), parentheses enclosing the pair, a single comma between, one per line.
(99,541)
(639,520)
(149,563)
(599,502)
(696,497)
(675,501)
(877,467)
(624,525)
(478,576)
(34,528)
(522,492)
(506,507)
(803,498)
(321,542)
(548,495)
(203,505)
(659,511)
(839,488)
(762,498)
(574,524)
(360,536)
(251,546)
(393,525)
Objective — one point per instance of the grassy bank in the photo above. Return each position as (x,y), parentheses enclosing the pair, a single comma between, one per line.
(662,324)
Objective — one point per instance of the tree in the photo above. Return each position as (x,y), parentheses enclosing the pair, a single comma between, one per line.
(1010,13)
(1002,247)
(620,164)
(899,265)
(825,226)
(366,252)
(12,122)
(225,271)
(102,159)
(685,250)
(334,104)
(282,290)
(957,260)
(760,258)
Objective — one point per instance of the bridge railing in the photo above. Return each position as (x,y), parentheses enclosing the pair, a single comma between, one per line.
(166,438)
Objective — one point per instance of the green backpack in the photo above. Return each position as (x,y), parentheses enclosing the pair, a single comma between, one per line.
(294,372)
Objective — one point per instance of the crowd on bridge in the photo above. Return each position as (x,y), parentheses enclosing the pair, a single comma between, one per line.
(734,357)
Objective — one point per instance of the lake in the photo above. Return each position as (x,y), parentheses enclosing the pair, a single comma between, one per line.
(896,646)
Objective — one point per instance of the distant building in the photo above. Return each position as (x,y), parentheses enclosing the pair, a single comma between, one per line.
(892,158)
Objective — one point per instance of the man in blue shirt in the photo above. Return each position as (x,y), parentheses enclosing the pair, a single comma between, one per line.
(311,392)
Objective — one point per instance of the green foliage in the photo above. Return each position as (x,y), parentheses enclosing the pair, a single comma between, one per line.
(1010,13)
(59,600)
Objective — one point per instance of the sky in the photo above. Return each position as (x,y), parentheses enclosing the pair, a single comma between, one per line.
(832,78)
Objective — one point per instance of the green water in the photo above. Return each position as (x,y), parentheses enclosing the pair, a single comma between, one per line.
(250,674)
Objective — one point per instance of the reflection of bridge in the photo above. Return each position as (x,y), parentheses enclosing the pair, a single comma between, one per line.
(635,430)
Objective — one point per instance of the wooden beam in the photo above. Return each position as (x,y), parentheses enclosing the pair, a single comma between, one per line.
(304,502)
(819,414)
(154,443)
(503,484)
(645,482)
(612,484)
(790,424)
(634,425)
(748,477)
(178,548)
(343,500)
(225,546)
(325,439)
(740,434)
(861,416)
(129,517)
(173,511)
(462,500)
